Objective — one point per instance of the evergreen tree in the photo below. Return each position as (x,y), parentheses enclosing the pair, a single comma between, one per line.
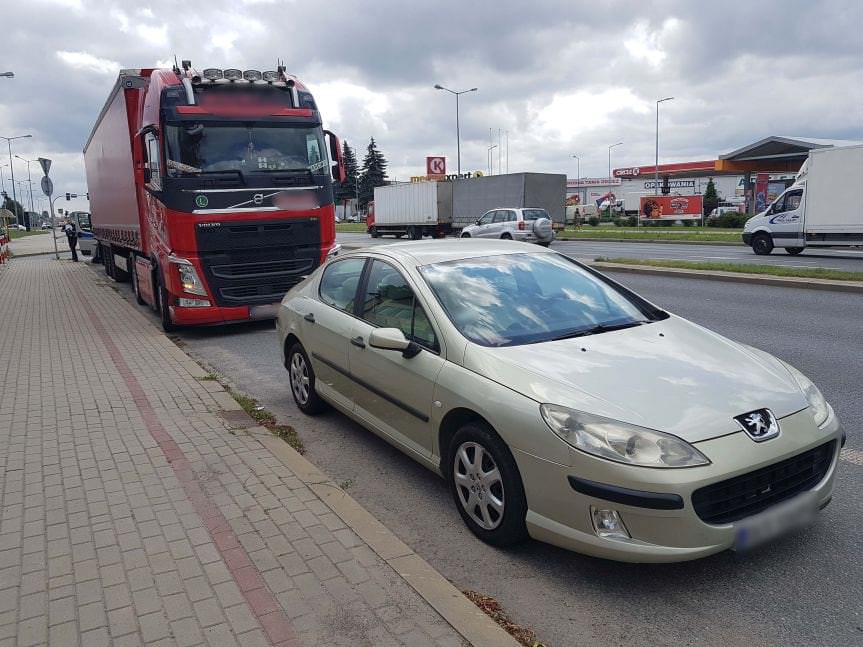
(711,198)
(347,190)
(374,173)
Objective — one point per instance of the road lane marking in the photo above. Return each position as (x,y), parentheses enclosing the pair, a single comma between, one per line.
(853,456)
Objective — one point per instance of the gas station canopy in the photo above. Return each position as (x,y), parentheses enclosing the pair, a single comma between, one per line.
(774,154)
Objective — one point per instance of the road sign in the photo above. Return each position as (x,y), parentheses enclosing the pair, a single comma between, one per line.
(46,164)
(435,165)
(47,185)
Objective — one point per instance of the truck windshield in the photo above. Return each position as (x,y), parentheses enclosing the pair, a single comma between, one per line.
(193,148)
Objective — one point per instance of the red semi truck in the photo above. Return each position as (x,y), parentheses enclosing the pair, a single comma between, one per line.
(211,191)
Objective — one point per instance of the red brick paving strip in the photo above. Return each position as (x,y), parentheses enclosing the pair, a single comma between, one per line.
(248,578)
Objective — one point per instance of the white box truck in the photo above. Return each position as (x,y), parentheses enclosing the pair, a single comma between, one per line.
(414,210)
(821,208)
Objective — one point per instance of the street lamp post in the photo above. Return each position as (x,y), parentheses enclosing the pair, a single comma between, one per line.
(29,181)
(578,178)
(609,171)
(2,180)
(656,164)
(457,133)
(12,170)
(490,159)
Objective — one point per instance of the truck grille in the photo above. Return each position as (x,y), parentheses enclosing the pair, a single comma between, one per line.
(751,493)
(249,263)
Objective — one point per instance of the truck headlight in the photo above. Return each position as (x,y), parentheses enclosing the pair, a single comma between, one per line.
(189,279)
(816,400)
(619,441)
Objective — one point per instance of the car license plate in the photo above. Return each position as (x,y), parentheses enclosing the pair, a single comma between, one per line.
(266,311)
(774,522)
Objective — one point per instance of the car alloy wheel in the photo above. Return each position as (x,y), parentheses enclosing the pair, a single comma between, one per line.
(300,378)
(479,485)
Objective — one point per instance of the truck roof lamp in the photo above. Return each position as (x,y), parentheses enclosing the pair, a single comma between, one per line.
(252,75)
(270,76)
(232,74)
(212,74)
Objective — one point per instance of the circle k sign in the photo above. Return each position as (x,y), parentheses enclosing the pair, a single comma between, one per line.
(435,165)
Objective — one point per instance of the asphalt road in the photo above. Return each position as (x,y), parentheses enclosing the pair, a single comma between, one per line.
(848,259)
(803,590)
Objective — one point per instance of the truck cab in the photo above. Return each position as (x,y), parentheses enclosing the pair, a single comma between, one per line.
(780,225)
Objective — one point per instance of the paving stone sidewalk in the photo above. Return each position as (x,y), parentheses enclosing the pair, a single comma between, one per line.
(134,513)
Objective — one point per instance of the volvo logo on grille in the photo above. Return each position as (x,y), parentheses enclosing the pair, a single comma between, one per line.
(759,425)
(258,198)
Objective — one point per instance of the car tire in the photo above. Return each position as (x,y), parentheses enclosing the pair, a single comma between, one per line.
(465,236)
(762,244)
(506,236)
(164,309)
(499,505)
(794,251)
(545,243)
(301,377)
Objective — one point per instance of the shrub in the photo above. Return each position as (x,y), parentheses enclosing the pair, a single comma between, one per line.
(593,221)
(729,220)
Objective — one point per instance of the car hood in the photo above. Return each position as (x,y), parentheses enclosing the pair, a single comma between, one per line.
(671,375)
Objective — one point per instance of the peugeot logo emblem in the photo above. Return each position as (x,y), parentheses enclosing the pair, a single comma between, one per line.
(759,425)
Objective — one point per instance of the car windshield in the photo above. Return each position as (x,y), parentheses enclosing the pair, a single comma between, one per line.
(534,214)
(515,299)
(193,148)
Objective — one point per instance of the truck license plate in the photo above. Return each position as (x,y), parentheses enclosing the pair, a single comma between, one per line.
(266,311)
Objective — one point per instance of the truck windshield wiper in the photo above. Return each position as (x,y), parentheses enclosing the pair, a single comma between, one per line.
(599,328)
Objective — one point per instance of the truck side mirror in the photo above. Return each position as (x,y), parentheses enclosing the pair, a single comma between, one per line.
(338,168)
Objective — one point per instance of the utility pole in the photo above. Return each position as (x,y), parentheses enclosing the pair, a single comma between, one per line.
(656,165)
(609,172)
(491,159)
(29,181)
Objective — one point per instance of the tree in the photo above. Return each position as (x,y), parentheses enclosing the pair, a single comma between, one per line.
(347,190)
(374,173)
(15,207)
(711,198)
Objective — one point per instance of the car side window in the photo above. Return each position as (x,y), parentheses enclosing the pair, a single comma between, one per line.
(389,302)
(340,281)
(511,217)
(500,216)
(486,219)
(792,200)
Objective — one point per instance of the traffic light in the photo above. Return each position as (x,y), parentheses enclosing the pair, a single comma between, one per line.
(68,197)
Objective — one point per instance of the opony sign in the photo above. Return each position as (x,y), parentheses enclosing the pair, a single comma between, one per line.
(435,165)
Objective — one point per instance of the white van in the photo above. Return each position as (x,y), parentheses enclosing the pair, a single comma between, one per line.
(820,209)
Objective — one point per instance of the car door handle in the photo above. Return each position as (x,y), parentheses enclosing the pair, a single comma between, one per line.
(358,341)
(310,317)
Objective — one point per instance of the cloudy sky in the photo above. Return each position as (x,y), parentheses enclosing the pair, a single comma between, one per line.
(562,78)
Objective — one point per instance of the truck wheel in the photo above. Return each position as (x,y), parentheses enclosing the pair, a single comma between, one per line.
(794,250)
(164,309)
(373,232)
(415,233)
(762,244)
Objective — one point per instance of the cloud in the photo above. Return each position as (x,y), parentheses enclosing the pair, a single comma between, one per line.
(646,45)
(88,62)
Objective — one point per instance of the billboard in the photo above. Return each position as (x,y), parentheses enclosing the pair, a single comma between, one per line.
(671,207)
(435,165)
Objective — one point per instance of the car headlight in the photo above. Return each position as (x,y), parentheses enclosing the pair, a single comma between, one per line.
(816,400)
(619,441)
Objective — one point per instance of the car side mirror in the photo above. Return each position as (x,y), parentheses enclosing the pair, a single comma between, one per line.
(393,339)
(476,223)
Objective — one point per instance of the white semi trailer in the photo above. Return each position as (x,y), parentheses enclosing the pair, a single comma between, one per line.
(821,209)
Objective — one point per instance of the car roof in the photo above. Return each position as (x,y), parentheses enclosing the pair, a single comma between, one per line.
(426,252)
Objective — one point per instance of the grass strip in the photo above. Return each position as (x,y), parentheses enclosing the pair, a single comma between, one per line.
(652,234)
(351,227)
(493,610)
(743,268)
(266,419)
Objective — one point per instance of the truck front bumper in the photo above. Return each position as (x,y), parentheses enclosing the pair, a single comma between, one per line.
(747,238)
(216,315)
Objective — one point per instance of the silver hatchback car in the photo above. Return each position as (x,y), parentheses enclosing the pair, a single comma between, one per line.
(525,225)
(557,403)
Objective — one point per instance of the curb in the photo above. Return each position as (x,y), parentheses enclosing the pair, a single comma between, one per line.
(855,287)
(652,240)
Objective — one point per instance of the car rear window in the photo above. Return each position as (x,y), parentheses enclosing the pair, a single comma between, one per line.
(534,214)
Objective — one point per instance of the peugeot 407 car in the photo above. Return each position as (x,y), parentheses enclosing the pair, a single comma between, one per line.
(558,404)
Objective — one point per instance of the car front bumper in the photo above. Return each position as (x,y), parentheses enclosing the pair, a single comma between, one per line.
(560,515)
